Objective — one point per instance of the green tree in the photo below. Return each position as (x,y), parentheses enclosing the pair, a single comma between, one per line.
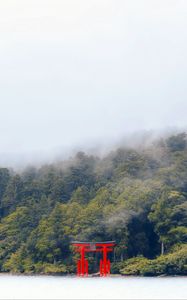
(12,195)
(165,214)
(177,142)
(14,230)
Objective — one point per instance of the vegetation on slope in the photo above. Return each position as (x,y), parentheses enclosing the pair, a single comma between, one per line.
(137,197)
(174,262)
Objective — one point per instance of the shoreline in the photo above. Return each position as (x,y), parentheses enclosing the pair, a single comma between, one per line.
(89,276)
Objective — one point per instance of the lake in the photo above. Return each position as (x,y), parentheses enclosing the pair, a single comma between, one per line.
(56,287)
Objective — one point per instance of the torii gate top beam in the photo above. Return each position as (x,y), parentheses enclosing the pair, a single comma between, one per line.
(94,246)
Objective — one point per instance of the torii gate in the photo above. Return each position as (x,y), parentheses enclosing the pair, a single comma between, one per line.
(83,247)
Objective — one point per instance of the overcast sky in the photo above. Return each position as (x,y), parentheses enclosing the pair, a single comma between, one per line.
(73,71)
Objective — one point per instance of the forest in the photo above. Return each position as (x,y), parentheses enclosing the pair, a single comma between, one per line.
(136,196)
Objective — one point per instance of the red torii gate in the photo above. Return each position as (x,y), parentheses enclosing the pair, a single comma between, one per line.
(82,263)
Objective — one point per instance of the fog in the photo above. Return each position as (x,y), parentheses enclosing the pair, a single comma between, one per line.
(88,74)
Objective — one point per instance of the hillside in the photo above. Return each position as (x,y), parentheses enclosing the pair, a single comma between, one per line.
(137,197)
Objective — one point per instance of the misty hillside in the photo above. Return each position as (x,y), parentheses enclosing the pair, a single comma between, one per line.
(137,197)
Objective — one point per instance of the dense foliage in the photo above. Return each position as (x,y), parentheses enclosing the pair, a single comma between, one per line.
(137,197)
(174,262)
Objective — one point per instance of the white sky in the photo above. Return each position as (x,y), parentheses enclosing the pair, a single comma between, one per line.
(79,70)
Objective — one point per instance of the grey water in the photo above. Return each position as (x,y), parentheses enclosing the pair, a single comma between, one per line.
(56,287)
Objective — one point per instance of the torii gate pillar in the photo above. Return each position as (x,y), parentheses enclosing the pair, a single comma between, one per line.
(82,263)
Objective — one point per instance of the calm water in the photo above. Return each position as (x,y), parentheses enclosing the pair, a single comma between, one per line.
(49,287)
